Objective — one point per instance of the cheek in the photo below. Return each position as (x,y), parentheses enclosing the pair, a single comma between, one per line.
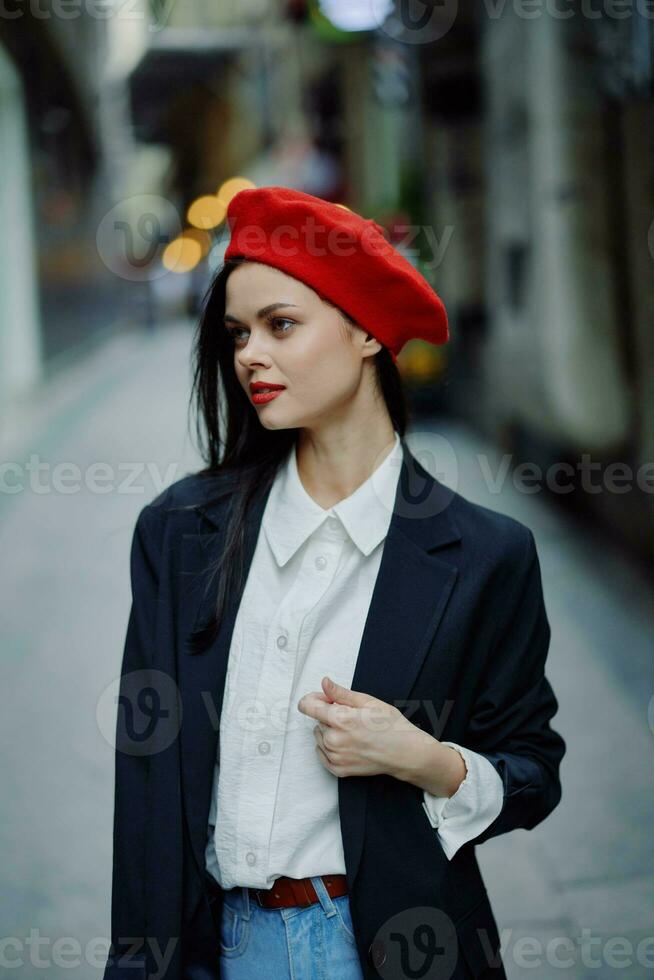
(327,363)
(327,381)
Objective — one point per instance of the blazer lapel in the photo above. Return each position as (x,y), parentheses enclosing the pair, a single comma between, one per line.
(408,601)
(411,592)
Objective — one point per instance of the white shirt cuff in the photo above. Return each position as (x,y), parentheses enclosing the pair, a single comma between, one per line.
(474,806)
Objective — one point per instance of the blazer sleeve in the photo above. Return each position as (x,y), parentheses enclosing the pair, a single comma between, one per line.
(128,926)
(510,720)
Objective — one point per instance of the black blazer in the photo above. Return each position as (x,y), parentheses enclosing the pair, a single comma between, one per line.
(456,637)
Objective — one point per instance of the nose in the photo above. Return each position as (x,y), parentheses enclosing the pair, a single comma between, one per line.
(254,352)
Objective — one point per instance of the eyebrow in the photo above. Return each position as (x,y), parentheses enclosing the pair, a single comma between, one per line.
(228,318)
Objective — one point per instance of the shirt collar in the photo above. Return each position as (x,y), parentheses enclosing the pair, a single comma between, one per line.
(292,515)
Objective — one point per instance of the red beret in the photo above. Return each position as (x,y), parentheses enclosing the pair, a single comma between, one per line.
(346,258)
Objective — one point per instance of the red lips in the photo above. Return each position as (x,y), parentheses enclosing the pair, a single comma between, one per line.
(258,385)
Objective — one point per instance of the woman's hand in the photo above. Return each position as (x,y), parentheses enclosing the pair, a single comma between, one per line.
(359,735)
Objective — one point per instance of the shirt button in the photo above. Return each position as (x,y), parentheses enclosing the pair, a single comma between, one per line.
(264,748)
(251,858)
(282,641)
(320,562)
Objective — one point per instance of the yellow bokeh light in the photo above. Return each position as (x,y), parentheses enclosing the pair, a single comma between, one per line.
(420,362)
(203,238)
(182,254)
(206,212)
(230,188)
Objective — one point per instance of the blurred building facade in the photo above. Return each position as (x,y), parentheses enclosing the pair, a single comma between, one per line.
(568,358)
(59,123)
(515,150)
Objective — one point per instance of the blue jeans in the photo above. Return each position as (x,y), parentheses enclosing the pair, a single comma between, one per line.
(315,942)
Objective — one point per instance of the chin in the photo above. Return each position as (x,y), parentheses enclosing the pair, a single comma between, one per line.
(269,423)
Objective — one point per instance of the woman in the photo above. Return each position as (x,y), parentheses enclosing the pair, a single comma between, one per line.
(333,680)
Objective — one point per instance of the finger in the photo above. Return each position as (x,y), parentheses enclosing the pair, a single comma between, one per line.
(315,708)
(312,696)
(333,768)
(344,695)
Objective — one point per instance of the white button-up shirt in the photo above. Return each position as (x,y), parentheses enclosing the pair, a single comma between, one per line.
(274,808)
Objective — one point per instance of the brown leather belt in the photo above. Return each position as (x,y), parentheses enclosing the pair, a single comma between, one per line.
(286,892)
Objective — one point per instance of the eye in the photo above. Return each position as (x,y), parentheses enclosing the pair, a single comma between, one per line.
(282,319)
(273,320)
(233,332)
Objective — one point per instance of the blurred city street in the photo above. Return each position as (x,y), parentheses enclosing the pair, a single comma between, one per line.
(506,152)
(588,871)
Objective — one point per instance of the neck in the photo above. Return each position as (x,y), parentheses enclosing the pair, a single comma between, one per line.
(332,466)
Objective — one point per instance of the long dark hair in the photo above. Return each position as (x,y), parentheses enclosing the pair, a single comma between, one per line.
(234,444)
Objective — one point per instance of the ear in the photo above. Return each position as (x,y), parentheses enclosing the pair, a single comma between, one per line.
(371,345)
